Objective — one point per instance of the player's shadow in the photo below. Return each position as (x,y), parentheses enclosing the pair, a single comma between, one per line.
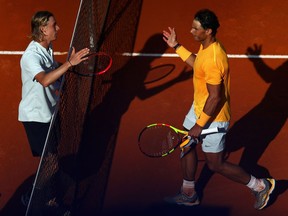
(103,121)
(258,128)
(169,210)
(14,205)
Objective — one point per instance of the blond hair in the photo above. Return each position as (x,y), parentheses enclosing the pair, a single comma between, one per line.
(38,20)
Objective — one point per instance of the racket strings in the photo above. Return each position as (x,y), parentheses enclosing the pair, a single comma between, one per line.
(158,141)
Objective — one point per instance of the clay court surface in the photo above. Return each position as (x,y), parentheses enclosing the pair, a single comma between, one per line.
(137,184)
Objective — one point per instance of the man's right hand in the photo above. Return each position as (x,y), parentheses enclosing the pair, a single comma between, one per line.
(170,37)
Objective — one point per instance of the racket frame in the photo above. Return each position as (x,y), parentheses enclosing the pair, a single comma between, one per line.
(185,133)
(90,55)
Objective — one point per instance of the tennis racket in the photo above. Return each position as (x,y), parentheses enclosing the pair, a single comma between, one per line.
(97,63)
(159,139)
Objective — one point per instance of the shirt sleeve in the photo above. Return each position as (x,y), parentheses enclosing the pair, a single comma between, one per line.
(31,64)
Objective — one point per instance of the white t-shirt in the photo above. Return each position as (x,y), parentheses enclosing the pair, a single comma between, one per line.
(38,102)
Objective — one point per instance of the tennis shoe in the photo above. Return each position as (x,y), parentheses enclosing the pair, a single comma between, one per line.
(183,199)
(262,197)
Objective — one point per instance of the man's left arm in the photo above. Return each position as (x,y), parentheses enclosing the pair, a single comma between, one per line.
(213,99)
(210,106)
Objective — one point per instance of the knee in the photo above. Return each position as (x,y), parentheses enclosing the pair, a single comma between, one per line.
(215,167)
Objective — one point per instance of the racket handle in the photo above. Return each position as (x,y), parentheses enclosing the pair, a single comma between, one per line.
(210,130)
(189,140)
(187,143)
(204,132)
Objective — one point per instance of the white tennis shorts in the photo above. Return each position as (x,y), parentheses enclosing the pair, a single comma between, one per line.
(211,143)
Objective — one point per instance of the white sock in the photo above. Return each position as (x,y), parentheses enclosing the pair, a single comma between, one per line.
(188,187)
(256,184)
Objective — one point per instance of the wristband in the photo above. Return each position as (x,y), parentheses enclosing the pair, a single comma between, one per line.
(183,53)
(70,63)
(176,46)
(203,119)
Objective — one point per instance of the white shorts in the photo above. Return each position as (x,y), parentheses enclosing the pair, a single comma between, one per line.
(211,143)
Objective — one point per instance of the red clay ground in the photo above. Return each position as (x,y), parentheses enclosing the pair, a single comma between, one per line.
(137,184)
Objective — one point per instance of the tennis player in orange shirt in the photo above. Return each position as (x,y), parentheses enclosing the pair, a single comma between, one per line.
(210,108)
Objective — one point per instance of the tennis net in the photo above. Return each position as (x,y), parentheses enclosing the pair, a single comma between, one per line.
(74,169)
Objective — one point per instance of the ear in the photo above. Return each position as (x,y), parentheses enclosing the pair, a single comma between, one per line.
(208,31)
(43,29)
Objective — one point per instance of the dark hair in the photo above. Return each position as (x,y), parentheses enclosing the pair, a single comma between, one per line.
(39,19)
(208,20)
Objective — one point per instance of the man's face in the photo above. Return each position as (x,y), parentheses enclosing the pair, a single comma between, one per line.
(51,29)
(198,32)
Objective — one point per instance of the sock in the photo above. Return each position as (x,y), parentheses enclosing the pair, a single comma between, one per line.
(188,187)
(256,184)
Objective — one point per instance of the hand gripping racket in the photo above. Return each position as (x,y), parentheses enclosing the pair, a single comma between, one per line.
(97,63)
(159,139)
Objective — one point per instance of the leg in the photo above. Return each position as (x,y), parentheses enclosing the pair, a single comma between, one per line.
(261,188)
(189,163)
(187,195)
(234,172)
(36,133)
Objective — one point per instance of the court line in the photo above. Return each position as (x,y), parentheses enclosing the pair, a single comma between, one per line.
(229,55)
(171,55)
(21,53)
